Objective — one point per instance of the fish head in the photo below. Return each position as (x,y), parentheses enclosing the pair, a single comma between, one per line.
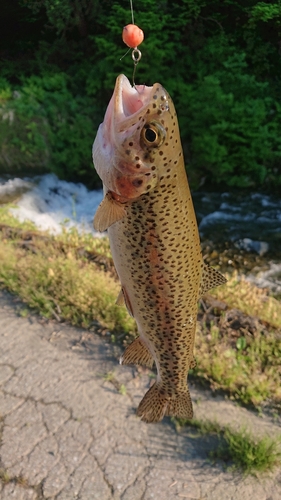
(135,145)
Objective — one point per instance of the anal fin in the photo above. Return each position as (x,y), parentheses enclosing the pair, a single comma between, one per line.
(109,211)
(137,353)
(210,278)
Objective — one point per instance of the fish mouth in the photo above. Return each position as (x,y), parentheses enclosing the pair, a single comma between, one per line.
(129,104)
(129,100)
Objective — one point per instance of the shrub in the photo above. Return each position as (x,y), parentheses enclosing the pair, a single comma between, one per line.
(45,124)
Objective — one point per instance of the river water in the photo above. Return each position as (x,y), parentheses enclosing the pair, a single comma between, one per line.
(252,222)
(238,224)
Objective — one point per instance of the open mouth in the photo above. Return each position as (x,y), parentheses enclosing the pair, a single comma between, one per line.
(129,100)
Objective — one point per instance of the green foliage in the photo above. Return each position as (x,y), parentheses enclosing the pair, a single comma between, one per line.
(246,453)
(44,123)
(22,131)
(249,454)
(264,12)
(230,125)
(219,59)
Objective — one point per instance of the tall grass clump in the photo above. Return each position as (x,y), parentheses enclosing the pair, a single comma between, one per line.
(58,285)
(240,450)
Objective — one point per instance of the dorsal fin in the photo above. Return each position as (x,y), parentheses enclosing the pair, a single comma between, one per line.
(210,278)
(108,212)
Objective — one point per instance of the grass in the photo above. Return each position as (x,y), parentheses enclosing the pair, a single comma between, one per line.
(69,237)
(239,450)
(58,283)
(251,374)
(250,299)
(110,377)
(5,478)
(56,277)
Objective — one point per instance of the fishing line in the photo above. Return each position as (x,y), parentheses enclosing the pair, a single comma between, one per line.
(133,36)
(132,11)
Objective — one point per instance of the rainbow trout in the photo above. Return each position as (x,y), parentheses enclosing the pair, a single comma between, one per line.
(148,212)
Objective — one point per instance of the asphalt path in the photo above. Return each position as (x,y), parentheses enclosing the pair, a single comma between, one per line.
(69,431)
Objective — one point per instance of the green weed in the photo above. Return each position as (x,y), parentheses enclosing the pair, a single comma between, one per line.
(123,390)
(249,371)
(24,312)
(4,476)
(248,454)
(110,377)
(240,450)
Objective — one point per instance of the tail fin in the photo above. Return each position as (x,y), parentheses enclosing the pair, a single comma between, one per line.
(155,405)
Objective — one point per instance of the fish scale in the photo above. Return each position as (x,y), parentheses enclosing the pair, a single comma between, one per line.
(154,240)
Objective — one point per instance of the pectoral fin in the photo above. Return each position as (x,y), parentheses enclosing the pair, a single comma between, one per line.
(210,278)
(108,212)
(138,354)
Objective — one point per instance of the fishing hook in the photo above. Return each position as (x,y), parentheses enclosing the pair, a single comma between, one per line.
(136,56)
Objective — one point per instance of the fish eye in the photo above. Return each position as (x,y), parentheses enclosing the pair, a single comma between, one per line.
(152,134)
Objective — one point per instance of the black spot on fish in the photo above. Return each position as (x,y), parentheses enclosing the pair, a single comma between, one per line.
(137,182)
